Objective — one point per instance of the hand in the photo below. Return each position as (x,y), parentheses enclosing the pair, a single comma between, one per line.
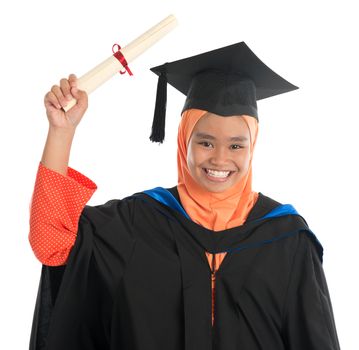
(58,97)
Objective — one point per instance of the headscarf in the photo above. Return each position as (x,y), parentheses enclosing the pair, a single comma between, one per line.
(215,211)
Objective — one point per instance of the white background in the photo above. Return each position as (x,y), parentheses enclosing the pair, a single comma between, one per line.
(306,152)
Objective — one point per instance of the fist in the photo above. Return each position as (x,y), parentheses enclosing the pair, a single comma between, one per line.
(58,98)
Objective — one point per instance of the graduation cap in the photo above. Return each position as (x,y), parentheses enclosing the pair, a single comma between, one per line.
(227,81)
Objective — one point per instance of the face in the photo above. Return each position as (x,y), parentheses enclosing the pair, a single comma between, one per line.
(218,152)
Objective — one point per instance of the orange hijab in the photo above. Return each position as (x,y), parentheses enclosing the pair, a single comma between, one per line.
(215,211)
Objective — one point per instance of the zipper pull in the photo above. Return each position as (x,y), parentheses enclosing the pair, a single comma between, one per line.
(213,278)
(214,268)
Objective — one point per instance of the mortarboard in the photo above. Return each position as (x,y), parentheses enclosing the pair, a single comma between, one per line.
(227,81)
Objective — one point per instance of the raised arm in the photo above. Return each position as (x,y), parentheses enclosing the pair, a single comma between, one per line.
(60,192)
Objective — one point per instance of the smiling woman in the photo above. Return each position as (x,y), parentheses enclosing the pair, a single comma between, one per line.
(206,264)
(217,159)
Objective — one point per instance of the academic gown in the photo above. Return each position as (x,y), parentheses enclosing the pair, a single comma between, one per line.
(138,278)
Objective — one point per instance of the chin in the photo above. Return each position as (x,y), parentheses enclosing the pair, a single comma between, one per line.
(216,188)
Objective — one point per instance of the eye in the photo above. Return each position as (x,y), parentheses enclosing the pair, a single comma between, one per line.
(205,144)
(236,146)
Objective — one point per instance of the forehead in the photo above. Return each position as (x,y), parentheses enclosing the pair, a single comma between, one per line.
(218,125)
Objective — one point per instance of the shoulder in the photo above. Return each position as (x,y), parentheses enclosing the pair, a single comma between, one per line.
(267,207)
(262,207)
(291,222)
(112,210)
(125,210)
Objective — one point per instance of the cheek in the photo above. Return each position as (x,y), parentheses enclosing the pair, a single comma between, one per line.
(243,160)
(190,158)
(195,157)
(247,159)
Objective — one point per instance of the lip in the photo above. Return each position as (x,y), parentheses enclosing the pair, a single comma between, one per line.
(217,179)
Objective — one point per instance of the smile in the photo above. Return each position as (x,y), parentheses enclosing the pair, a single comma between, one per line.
(217,175)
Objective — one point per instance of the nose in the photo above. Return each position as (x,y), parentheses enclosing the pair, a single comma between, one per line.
(220,156)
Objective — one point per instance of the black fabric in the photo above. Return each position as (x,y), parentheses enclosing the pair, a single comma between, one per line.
(222,93)
(236,58)
(49,286)
(138,278)
(159,120)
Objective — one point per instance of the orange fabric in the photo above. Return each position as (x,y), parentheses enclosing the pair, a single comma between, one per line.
(215,211)
(55,209)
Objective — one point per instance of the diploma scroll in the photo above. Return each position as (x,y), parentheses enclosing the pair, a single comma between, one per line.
(108,68)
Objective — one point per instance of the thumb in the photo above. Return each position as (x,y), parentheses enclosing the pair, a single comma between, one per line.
(80,96)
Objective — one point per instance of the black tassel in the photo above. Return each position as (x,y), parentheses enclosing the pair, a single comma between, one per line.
(159,119)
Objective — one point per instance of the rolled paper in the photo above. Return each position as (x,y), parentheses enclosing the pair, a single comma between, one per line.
(108,68)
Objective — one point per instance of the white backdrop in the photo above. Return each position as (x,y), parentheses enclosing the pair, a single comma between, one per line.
(307,148)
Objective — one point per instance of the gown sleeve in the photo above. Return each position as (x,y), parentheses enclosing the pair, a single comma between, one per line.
(308,314)
(55,208)
(76,301)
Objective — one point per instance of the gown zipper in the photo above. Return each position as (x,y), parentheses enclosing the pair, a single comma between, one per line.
(213,282)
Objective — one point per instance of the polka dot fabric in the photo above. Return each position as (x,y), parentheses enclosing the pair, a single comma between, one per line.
(55,209)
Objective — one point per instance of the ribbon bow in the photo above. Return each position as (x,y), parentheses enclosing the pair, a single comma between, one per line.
(118,54)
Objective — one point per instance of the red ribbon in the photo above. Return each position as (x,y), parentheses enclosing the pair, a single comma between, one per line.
(118,54)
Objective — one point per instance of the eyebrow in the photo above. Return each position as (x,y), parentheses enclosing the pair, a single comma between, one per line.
(211,137)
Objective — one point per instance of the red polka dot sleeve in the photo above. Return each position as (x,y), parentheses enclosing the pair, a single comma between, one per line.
(55,209)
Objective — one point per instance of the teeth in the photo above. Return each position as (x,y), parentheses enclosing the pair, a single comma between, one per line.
(216,173)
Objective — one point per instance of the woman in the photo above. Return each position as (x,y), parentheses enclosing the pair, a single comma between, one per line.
(207,264)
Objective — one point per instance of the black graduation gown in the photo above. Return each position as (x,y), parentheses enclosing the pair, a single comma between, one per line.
(137,278)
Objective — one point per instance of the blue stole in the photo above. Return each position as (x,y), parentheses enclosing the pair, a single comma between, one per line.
(166,197)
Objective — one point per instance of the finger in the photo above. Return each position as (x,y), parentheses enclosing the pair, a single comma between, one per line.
(81,97)
(73,80)
(59,95)
(65,87)
(51,100)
